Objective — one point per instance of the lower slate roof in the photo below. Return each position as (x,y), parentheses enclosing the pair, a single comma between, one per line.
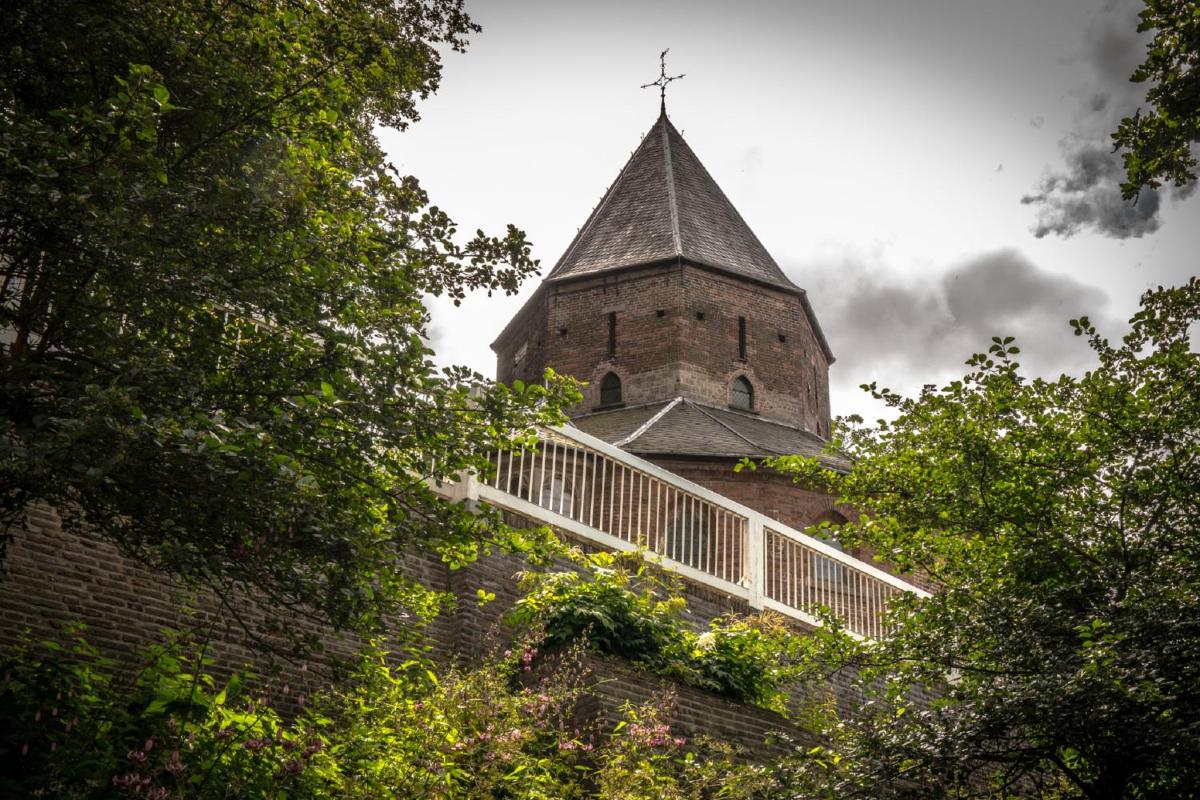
(683,427)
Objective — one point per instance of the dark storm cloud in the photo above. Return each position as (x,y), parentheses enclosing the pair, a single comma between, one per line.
(1085,193)
(1088,194)
(905,333)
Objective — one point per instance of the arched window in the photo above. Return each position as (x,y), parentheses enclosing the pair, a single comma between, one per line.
(610,390)
(743,394)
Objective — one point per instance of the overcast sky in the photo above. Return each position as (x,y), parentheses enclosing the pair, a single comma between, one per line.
(933,173)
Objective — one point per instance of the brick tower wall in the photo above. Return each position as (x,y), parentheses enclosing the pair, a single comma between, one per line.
(784,361)
(677,334)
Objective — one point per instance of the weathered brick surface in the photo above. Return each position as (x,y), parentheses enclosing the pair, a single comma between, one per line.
(664,349)
(694,712)
(50,577)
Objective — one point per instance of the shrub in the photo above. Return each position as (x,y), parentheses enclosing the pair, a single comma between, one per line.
(72,731)
(503,729)
(623,606)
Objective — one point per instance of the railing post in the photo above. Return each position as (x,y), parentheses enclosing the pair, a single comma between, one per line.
(755,562)
(466,488)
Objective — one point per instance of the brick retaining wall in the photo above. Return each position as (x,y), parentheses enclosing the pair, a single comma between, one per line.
(49,577)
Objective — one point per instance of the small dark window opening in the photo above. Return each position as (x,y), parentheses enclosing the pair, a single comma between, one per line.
(612,334)
(782,337)
(700,316)
(743,394)
(562,331)
(660,313)
(742,338)
(610,390)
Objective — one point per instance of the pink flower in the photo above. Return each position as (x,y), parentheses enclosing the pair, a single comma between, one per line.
(175,764)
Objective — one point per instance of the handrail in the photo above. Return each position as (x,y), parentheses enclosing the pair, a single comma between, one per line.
(594,490)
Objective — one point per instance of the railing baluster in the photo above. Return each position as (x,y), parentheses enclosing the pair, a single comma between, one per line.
(659,519)
(721,543)
(527,487)
(693,534)
(622,528)
(641,504)
(805,579)
(595,485)
(574,481)
(664,542)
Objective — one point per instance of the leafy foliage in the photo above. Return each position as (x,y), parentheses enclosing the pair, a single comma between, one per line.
(214,345)
(642,759)
(623,606)
(1061,657)
(395,730)
(1159,146)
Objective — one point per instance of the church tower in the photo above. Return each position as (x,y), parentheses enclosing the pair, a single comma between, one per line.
(697,350)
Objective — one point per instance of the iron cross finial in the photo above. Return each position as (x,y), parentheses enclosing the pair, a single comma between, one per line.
(663,79)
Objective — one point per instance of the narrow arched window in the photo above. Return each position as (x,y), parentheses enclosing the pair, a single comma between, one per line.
(743,394)
(610,390)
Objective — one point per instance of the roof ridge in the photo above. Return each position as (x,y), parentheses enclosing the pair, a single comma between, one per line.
(672,198)
(615,409)
(745,225)
(645,426)
(760,418)
(732,430)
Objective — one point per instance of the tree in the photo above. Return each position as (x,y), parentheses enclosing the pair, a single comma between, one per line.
(215,349)
(1061,518)
(1159,145)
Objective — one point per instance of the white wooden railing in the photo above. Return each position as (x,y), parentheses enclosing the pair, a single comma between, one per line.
(590,489)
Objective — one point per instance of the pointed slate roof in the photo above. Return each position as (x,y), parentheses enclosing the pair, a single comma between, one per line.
(665,206)
(683,427)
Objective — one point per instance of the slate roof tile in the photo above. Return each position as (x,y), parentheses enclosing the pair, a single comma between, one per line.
(693,429)
(616,424)
(665,205)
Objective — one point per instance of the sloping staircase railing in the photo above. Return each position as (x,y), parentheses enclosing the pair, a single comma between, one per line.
(593,490)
